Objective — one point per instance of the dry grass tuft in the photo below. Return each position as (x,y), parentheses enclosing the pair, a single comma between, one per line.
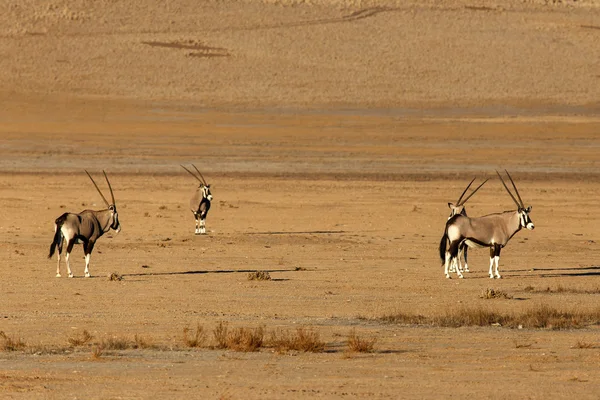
(562,289)
(195,338)
(239,339)
(301,340)
(115,277)
(584,345)
(405,319)
(358,345)
(140,342)
(116,343)
(97,352)
(542,316)
(494,294)
(8,343)
(81,339)
(259,276)
(220,335)
(246,339)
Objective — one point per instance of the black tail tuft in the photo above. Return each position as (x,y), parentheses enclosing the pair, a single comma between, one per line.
(58,234)
(443,244)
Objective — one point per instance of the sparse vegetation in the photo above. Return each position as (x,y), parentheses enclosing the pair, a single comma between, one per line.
(8,343)
(80,339)
(259,276)
(562,289)
(584,345)
(239,339)
(115,343)
(358,345)
(194,338)
(220,335)
(494,294)
(543,317)
(114,276)
(301,340)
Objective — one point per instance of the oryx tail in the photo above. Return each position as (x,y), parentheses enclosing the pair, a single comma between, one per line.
(58,236)
(443,244)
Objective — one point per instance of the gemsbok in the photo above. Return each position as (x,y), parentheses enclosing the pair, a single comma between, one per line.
(200,201)
(493,231)
(86,227)
(459,208)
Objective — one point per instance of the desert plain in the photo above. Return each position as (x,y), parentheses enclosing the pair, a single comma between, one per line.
(333,134)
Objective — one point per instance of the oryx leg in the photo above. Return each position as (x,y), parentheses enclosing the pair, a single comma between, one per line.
(452,258)
(70,244)
(59,250)
(464,252)
(203,226)
(197,217)
(87,249)
(494,258)
(497,259)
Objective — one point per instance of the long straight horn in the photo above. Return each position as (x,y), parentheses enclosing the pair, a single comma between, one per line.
(515,186)
(205,184)
(97,188)
(506,187)
(191,173)
(473,192)
(465,191)
(112,196)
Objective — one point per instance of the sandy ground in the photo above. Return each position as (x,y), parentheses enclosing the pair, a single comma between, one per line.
(333,134)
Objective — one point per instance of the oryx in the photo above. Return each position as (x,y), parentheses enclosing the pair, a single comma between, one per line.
(493,231)
(200,201)
(85,227)
(459,208)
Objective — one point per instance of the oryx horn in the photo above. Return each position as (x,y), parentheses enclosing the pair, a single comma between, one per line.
(112,196)
(473,192)
(199,173)
(192,174)
(465,191)
(508,190)
(98,189)
(516,191)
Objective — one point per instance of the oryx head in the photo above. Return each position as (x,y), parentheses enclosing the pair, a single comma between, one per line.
(203,187)
(114,215)
(459,207)
(523,211)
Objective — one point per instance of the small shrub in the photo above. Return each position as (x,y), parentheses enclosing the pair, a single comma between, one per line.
(195,338)
(140,342)
(115,343)
(406,319)
(494,294)
(115,277)
(245,339)
(259,276)
(584,345)
(220,335)
(8,343)
(302,340)
(97,352)
(80,339)
(358,345)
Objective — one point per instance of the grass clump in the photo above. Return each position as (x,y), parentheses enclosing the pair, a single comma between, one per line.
(494,294)
(358,345)
(239,339)
(194,338)
(259,276)
(114,276)
(80,339)
(541,317)
(8,343)
(301,340)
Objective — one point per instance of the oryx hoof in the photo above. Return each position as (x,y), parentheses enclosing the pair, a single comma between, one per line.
(87,275)
(498,277)
(58,275)
(491,276)
(461,277)
(70,275)
(448,276)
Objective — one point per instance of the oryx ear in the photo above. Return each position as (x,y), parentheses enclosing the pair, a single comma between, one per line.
(528,209)
(450,205)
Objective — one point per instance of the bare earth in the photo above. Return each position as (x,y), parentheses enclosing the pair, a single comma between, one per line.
(333,134)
